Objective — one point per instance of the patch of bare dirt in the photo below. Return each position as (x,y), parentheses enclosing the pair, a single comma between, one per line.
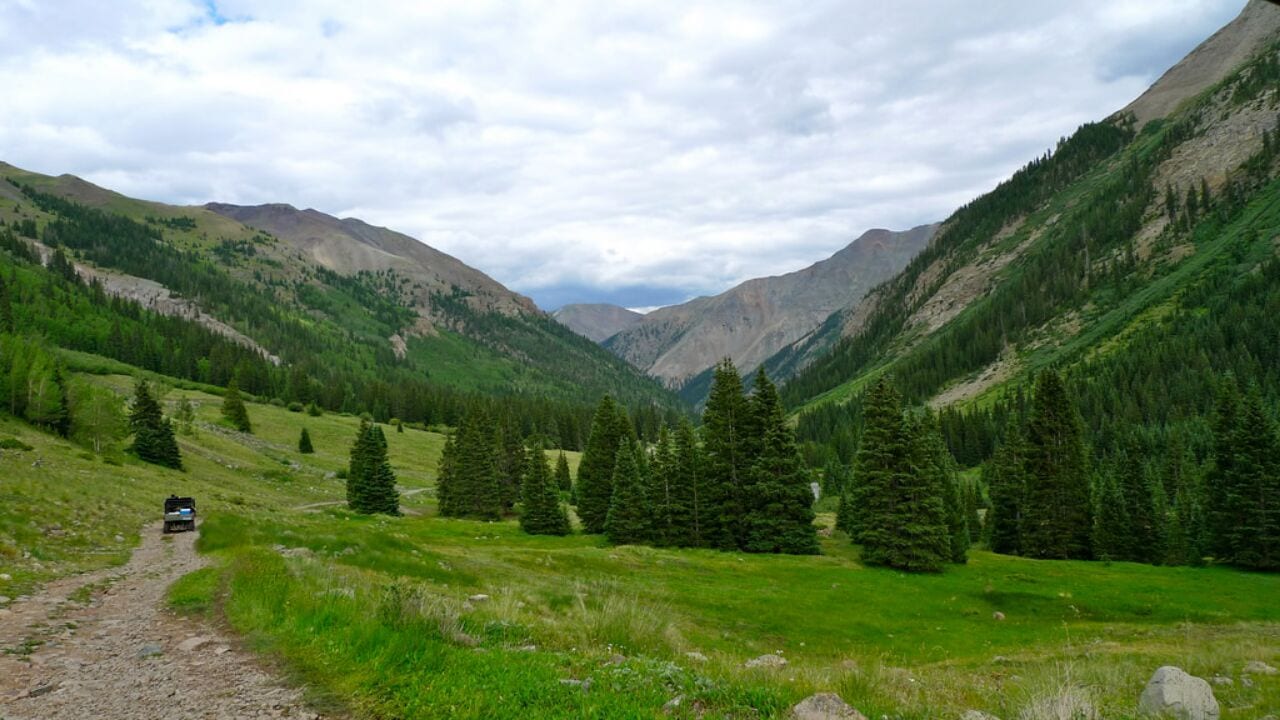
(994,374)
(123,655)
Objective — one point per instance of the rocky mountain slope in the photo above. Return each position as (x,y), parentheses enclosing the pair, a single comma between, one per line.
(331,297)
(597,321)
(752,321)
(1085,258)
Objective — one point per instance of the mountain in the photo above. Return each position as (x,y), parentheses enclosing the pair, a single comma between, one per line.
(353,316)
(1139,258)
(752,321)
(597,321)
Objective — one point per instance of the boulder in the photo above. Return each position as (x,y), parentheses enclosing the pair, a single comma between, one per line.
(1172,693)
(997,615)
(977,715)
(696,656)
(825,706)
(1257,667)
(766,661)
(479,598)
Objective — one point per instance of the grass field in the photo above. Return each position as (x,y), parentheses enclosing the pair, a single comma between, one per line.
(373,613)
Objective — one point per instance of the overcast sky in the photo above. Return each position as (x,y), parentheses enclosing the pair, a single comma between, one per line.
(637,153)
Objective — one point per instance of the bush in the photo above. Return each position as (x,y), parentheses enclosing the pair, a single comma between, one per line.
(295,406)
(15,444)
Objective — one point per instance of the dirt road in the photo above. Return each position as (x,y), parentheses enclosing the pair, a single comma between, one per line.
(115,652)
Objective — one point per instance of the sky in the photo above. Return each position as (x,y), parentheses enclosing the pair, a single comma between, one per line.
(639,153)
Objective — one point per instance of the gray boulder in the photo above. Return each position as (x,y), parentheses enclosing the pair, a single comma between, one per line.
(1173,693)
(977,715)
(825,706)
(766,661)
(1257,667)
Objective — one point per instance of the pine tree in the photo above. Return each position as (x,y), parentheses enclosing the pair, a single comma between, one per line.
(725,425)
(1111,518)
(1143,536)
(777,498)
(1256,539)
(233,408)
(471,485)
(447,479)
(153,439)
(1056,506)
(662,470)
(540,512)
(595,471)
(685,482)
(510,460)
(882,451)
(564,481)
(630,518)
(371,483)
(358,468)
(941,467)
(304,443)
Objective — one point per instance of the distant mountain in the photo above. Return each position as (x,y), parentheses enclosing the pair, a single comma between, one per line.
(754,320)
(597,321)
(1141,258)
(348,304)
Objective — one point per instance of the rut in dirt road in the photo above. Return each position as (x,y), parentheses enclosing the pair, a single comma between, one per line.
(123,656)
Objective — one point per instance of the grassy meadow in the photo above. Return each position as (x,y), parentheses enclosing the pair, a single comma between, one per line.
(374,615)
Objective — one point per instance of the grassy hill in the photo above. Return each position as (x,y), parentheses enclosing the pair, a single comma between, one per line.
(373,613)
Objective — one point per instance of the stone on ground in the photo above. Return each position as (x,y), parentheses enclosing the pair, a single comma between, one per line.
(977,715)
(825,706)
(766,661)
(1172,693)
(1257,667)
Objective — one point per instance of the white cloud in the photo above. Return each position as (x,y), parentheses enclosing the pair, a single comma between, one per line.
(573,148)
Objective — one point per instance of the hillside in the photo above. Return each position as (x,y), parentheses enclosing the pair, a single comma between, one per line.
(1129,251)
(752,321)
(340,311)
(596,321)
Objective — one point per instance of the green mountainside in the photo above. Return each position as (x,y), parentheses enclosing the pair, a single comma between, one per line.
(1142,261)
(412,339)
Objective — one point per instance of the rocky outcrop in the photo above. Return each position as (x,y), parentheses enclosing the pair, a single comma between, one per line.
(1172,693)
(596,321)
(751,322)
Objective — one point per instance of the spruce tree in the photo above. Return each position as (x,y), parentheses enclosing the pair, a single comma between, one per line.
(1225,483)
(725,423)
(662,471)
(595,471)
(1256,539)
(382,496)
(564,481)
(358,468)
(304,443)
(685,482)
(1056,506)
(882,451)
(477,492)
(1144,530)
(1006,484)
(233,408)
(448,480)
(540,512)
(510,459)
(777,498)
(630,518)
(1111,519)
(153,439)
(941,466)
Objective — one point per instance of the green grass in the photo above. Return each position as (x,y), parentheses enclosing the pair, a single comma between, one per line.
(374,613)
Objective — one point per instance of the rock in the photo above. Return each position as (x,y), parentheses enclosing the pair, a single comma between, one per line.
(119,538)
(1221,680)
(766,661)
(1246,682)
(193,643)
(478,598)
(977,715)
(5,577)
(696,656)
(1171,692)
(673,704)
(42,689)
(825,706)
(150,651)
(616,659)
(5,600)
(1257,667)
(824,532)
(585,685)
(997,615)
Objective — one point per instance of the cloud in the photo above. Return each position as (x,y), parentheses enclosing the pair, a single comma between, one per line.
(639,152)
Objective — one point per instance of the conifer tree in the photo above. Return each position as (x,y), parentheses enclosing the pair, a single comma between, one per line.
(447,479)
(662,471)
(1255,541)
(510,459)
(1111,520)
(1224,481)
(233,408)
(595,471)
(725,424)
(1056,506)
(564,481)
(630,518)
(1143,535)
(540,512)
(153,439)
(371,484)
(358,467)
(304,443)
(941,466)
(777,499)
(470,483)
(882,452)
(686,510)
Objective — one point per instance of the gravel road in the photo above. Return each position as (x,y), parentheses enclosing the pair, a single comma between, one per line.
(115,652)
